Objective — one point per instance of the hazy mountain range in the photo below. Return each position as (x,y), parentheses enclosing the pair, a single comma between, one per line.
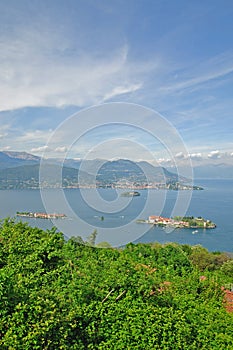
(21,170)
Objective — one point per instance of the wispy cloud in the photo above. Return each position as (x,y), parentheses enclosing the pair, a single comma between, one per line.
(34,72)
(216,67)
(120,90)
(28,140)
(52,56)
(3,135)
(34,136)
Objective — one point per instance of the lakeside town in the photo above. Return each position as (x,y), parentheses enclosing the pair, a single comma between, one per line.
(34,184)
(180,222)
(175,186)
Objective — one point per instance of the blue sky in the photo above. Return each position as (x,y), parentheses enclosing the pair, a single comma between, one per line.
(175,57)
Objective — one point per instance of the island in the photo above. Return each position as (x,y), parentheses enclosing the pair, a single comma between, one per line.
(180,222)
(130,194)
(39,215)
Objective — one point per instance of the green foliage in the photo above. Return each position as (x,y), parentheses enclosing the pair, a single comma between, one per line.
(69,295)
(103,244)
(92,238)
(227,268)
(205,260)
(175,259)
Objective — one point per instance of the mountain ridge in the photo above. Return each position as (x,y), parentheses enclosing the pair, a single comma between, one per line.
(22,171)
(144,169)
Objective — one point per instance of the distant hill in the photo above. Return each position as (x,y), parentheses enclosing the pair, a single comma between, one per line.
(10,159)
(22,155)
(27,176)
(213,171)
(102,173)
(110,170)
(154,173)
(124,169)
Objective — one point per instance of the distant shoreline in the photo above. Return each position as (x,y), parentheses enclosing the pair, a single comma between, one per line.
(130,188)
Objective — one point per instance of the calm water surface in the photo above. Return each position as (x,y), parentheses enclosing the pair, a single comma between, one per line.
(119,226)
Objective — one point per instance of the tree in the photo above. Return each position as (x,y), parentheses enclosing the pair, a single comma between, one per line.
(227,268)
(57,294)
(92,238)
(103,245)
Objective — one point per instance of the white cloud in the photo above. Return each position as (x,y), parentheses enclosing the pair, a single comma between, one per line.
(214,154)
(6,148)
(40,149)
(41,66)
(120,90)
(164,160)
(180,155)
(61,149)
(196,156)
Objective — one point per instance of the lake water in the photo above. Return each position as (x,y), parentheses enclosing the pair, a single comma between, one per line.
(115,216)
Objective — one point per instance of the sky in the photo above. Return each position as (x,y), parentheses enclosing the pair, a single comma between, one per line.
(60,58)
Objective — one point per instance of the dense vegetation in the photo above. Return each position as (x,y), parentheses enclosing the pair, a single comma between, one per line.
(58,294)
(198,222)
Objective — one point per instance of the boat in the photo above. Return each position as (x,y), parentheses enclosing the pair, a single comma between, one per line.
(195,231)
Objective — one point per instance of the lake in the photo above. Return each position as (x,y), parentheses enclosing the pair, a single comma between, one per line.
(115,216)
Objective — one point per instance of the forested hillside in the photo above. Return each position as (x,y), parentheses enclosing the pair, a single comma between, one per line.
(57,294)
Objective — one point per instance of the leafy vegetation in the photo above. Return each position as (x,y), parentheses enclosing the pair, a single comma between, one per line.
(57,294)
(198,222)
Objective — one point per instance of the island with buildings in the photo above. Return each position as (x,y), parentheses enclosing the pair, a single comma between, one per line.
(39,215)
(130,194)
(180,222)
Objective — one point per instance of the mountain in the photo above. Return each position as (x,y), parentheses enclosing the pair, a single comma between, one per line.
(210,171)
(214,171)
(107,171)
(122,168)
(139,172)
(10,159)
(22,155)
(158,173)
(27,176)
(92,172)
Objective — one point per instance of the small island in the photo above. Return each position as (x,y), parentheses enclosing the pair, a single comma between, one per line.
(130,194)
(39,215)
(180,222)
